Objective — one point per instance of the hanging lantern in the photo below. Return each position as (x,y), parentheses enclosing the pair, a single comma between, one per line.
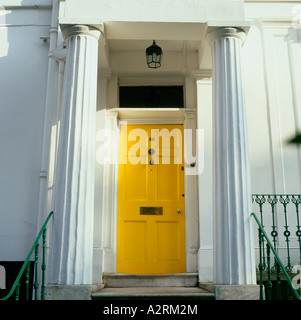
(154,56)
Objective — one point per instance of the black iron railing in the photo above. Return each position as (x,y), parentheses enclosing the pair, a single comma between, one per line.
(266,291)
(279,217)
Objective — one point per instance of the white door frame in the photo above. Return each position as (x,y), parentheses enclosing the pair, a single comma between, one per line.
(115,117)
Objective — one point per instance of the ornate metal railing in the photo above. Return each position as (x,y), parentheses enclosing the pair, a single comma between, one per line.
(265,265)
(25,269)
(279,215)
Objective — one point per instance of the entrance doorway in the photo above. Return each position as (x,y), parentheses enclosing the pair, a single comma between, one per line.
(151,203)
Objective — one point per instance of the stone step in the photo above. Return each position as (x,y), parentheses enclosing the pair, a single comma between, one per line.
(111,280)
(153,293)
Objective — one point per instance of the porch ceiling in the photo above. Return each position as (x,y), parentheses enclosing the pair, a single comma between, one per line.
(151,30)
(137,36)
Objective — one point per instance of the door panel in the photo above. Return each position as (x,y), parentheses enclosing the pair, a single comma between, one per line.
(134,246)
(167,173)
(151,208)
(137,188)
(167,241)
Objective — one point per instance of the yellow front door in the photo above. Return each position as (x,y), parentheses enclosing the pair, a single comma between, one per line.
(151,207)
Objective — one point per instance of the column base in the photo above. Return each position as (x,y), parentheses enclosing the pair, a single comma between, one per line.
(237,292)
(68,292)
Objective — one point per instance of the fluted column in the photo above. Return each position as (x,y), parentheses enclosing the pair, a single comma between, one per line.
(72,243)
(234,264)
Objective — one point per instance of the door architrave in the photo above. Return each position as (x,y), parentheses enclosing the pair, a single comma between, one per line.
(115,117)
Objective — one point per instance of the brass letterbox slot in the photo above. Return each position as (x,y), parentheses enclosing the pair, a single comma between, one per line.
(154,211)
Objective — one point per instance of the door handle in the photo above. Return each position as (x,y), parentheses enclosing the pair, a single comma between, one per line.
(151,152)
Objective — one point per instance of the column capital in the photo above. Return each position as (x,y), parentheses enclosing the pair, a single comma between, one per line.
(70,30)
(226,32)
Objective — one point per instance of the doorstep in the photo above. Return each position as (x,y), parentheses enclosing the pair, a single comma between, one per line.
(112,280)
(153,293)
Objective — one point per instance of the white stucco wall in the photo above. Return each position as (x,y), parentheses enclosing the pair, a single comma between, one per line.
(23,76)
(272,64)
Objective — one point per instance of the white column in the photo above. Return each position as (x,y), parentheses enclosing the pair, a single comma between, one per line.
(110,194)
(72,240)
(205,196)
(233,235)
(191,197)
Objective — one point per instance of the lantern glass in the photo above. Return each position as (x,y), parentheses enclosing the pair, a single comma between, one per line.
(154,56)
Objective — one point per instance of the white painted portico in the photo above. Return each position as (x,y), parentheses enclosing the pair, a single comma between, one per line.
(105,52)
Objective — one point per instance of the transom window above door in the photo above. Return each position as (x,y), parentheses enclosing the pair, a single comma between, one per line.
(151,97)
